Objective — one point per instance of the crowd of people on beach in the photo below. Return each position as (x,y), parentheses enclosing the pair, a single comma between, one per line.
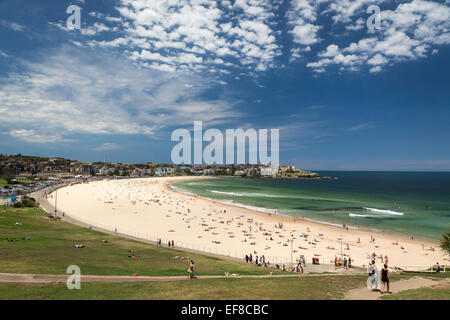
(212,227)
(261,261)
(346,263)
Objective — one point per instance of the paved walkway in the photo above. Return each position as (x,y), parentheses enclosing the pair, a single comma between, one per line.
(46,278)
(397,286)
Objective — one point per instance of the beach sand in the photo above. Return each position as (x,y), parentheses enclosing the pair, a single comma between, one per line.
(150,208)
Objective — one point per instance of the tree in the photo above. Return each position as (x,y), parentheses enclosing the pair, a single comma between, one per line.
(445,242)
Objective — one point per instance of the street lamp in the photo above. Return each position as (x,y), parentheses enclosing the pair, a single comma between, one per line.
(56,201)
(292,245)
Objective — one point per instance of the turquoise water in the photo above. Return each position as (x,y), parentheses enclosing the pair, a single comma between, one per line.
(410,203)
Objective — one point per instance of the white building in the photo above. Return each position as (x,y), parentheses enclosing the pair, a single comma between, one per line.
(269,171)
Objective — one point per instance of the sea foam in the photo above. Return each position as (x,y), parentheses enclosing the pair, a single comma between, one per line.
(395,213)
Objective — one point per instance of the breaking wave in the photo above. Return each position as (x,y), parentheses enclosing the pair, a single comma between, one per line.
(390,212)
(248,194)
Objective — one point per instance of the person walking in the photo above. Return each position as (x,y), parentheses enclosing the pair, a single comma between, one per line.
(385,278)
(438,267)
(191,270)
(373,282)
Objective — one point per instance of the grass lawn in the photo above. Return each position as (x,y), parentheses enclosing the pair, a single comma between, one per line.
(3,182)
(308,288)
(51,251)
(437,292)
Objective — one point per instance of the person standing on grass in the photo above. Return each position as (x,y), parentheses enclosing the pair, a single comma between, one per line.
(438,267)
(191,270)
(385,278)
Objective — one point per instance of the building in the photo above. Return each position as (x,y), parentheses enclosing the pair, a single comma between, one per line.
(269,171)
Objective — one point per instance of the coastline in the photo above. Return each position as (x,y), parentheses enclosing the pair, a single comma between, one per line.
(324,222)
(150,207)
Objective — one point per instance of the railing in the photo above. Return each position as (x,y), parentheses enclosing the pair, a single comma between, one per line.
(274,260)
(179,244)
(421,268)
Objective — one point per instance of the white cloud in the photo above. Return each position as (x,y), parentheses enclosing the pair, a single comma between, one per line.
(377,60)
(407,32)
(34,137)
(359,127)
(305,33)
(190,34)
(332,50)
(12,25)
(194,35)
(108,146)
(70,91)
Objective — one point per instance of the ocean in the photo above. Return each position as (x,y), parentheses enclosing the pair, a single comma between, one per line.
(407,203)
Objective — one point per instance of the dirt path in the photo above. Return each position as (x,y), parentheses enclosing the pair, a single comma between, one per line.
(397,286)
(46,278)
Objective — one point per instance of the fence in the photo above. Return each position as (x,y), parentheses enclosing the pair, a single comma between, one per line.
(274,260)
(179,244)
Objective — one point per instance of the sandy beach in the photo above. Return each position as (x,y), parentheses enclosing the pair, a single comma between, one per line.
(151,209)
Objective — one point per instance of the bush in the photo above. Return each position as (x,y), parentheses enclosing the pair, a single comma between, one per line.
(27,202)
(445,242)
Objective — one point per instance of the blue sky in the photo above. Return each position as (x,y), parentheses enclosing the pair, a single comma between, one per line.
(344,97)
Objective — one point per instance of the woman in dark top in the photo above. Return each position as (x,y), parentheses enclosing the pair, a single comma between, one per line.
(385,278)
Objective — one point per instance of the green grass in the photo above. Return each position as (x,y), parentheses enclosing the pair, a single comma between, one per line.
(441,275)
(308,288)
(51,251)
(3,182)
(437,292)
